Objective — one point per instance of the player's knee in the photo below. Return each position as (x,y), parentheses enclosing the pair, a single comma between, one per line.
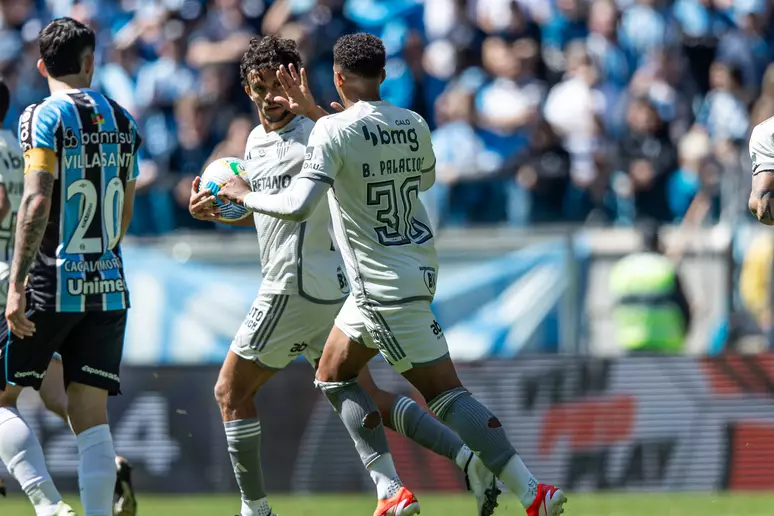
(86,407)
(229,396)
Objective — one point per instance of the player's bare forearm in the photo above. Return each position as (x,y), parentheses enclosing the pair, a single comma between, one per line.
(31,222)
(762,197)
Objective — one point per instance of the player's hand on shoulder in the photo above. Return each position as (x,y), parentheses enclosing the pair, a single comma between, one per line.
(202,205)
(235,190)
(16,312)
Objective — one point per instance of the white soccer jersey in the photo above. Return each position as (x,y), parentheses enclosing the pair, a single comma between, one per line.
(12,177)
(377,157)
(762,146)
(296,257)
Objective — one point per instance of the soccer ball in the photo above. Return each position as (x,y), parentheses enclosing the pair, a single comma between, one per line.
(215,176)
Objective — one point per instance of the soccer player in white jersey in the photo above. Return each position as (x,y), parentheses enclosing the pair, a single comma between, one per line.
(303,288)
(372,160)
(762,156)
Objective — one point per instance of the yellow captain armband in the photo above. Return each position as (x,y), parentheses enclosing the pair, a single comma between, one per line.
(39,158)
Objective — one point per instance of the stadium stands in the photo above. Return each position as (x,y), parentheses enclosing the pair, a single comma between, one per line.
(543,111)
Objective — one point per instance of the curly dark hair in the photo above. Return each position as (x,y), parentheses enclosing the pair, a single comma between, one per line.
(62,46)
(360,54)
(268,53)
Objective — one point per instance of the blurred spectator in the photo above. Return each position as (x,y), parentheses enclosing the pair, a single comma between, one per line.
(162,82)
(748,47)
(603,44)
(194,146)
(581,62)
(724,115)
(702,24)
(223,35)
(543,171)
(507,105)
(651,313)
(664,80)
(461,163)
(647,157)
(565,25)
(574,108)
(645,28)
(694,150)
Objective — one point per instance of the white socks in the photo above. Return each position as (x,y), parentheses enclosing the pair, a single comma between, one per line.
(96,470)
(23,456)
(383,473)
(463,456)
(519,480)
(255,508)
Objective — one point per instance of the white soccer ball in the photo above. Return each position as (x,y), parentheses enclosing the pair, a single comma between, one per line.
(215,176)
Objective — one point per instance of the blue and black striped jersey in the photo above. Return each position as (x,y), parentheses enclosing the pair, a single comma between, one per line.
(79,266)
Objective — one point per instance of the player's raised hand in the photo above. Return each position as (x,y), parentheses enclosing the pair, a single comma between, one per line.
(298,98)
(235,190)
(201,205)
(337,107)
(16,312)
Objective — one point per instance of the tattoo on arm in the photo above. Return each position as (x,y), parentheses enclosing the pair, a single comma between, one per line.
(31,222)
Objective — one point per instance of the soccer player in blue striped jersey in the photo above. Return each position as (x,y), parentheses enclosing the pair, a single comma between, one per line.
(67,291)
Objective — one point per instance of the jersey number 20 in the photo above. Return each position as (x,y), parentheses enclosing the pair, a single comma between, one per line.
(112,214)
(396,212)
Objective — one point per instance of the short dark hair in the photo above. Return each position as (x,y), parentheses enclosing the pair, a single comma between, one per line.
(62,45)
(5,100)
(268,53)
(360,54)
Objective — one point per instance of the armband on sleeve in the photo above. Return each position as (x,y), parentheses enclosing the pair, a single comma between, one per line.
(40,158)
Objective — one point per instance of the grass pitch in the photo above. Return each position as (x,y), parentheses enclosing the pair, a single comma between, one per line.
(699,504)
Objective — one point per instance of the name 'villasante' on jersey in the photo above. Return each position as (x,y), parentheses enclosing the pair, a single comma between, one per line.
(79,265)
(296,257)
(377,158)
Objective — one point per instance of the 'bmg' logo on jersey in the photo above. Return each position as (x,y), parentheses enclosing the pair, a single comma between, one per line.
(392,137)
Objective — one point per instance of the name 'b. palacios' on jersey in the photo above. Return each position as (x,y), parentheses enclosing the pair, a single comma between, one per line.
(79,266)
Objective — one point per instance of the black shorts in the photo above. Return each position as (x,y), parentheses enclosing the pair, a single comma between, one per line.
(91,345)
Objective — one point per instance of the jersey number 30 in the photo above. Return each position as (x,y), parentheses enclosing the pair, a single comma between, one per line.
(396,212)
(112,214)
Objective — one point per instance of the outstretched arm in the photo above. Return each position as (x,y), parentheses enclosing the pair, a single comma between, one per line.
(297,204)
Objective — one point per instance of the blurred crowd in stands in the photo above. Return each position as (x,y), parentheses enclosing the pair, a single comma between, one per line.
(543,111)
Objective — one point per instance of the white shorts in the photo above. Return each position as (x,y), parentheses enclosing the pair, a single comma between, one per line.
(407,335)
(279,327)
